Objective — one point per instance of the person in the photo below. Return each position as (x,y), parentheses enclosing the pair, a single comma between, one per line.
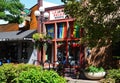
(1,63)
(88,51)
(8,60)
(64,60)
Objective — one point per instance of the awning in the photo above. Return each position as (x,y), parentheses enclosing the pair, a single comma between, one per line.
(16,35)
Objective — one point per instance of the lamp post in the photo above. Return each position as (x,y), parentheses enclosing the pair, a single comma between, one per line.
(41,16)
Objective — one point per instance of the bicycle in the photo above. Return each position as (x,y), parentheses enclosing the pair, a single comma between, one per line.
(37,62)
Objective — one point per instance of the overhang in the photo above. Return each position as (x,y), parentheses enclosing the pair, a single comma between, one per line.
(16,35)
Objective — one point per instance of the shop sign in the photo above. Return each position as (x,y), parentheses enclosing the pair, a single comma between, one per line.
(57,14)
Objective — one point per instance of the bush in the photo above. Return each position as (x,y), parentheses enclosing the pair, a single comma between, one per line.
(114,74)
(24,73)
(107,80)
(7,73)
(52,77)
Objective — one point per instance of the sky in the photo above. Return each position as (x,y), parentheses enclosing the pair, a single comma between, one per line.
(29,3)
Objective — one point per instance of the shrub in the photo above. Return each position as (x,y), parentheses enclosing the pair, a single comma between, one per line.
(31,76)
(25,73)
(114,74)
(52,77)
(35,76)
(7,73)
(107,80)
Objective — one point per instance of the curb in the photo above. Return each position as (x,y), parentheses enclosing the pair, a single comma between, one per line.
(70,80)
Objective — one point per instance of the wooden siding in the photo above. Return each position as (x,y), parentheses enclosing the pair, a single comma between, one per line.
(33,22)
(9,27)
(32,25)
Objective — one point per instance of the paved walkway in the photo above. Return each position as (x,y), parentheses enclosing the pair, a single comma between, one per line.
(70,80)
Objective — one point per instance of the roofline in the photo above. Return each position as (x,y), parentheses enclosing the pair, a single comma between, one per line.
(51,8)
(55,7)
(33,6)
(15,39)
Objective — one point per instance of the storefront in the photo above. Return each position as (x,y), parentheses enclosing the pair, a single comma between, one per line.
(65,35)
(16,46)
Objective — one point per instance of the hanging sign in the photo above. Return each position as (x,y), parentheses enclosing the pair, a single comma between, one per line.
(24,15)
(26,12)
(57,14)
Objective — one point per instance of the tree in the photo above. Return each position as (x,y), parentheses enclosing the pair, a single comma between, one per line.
(10,10)
(101,22)
(99,18)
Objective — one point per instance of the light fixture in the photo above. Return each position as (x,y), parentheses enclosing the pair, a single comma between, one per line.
(41,9)
(46,15)
(37,13)
(41,12)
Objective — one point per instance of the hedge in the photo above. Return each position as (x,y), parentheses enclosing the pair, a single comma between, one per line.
(26,73)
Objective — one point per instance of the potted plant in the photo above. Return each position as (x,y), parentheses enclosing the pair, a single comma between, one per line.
(41,40)
(93,72)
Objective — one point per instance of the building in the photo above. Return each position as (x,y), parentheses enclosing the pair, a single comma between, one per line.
(16,43)
(66,36)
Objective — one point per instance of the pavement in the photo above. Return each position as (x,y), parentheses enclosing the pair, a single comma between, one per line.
(71,80)
(81,79)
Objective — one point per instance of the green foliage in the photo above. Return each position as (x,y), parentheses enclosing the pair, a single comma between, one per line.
(25,73)
(94,69)
(10,10)
(43,37)
(52,77)
(100,20)
(114,74)
(7,73)
(41,40)
(116,57)
(33,76)
(36,76)
(107,80)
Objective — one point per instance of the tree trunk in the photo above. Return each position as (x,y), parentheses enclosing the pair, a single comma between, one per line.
(101,57)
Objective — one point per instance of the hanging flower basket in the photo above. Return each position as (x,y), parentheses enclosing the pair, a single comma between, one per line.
(41,40)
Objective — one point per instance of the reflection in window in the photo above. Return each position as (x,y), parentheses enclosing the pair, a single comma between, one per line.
(74,52)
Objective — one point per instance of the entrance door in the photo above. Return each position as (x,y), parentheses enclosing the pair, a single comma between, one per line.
(9,51)
(74,53)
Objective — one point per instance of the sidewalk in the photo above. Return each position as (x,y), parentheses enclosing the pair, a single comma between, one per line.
(70,80)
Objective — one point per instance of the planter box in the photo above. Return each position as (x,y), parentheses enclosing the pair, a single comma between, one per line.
(94,75)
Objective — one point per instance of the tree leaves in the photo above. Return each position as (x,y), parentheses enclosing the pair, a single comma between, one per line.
(10,10)
(99,18)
